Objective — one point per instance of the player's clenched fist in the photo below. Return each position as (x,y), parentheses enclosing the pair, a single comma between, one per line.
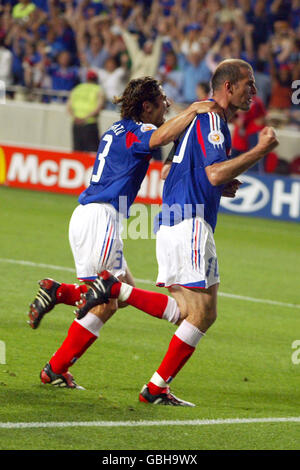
(267,140)
(231,188)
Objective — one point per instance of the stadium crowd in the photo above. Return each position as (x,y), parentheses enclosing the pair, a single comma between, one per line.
(50,45)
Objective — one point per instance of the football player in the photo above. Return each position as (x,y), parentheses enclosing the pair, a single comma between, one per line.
(121,164)
(201,172)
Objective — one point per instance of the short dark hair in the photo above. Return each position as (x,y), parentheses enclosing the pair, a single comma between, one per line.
(135,94)
(229,69)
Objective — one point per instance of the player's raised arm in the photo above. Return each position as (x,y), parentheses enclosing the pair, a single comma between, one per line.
(223,172)
(172,129)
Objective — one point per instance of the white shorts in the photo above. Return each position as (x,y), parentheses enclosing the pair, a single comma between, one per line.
(95,239)
(186,255)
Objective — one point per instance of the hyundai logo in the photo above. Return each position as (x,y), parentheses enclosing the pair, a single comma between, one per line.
(252,196)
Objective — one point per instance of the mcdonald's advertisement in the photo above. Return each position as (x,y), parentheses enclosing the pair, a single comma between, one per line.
(63,172)
(266,196)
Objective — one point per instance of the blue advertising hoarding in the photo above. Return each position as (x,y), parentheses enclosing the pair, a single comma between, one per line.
(276,197)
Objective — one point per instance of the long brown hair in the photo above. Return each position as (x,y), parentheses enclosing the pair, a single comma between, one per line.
(135,94)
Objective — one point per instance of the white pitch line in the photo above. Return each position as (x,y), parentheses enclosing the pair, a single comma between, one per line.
(148,281)
(110,424)
(36,265)
(261,301)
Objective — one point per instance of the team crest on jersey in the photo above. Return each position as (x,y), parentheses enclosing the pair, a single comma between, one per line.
(148,127)
(216,137)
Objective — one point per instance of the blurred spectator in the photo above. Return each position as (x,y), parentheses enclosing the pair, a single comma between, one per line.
(5,21)
(29,59)
(112,79)
(203,91)
(261,23)
(34,66)
(145,59)
(94,51)
(295,14)
(280,9)
(190,43)
(263,82)
(228,45)
(64,76)
(23,10)
(247,126)
(6,61)
(54,44)
(15,42)
(195,70)
(26,13)
(171,78)
(282,42)
(261,66)
(64,35)
(42,4)
(84,105)
(281,91)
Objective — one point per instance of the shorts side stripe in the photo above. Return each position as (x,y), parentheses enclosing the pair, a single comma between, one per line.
(196,244)
(105,237)
(110,239)
(192,240)
(199,241)
(111,244)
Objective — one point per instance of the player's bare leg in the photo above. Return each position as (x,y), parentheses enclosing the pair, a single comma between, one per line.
(198,306)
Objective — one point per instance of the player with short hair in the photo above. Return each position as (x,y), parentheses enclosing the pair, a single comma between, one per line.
(187,260)
(121,164)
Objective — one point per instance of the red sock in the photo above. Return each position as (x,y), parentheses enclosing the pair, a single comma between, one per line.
(149,302)
(177,355)
(69,294)
(79,339)
(152,303)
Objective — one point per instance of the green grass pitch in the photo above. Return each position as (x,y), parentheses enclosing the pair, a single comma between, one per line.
(242,369)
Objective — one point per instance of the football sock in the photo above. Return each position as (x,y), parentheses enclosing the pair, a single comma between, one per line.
(155,304)
(69,294)
(181,347)
(81,335)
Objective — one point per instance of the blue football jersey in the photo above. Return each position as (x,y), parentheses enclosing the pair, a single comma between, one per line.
(187,191)
(121,165)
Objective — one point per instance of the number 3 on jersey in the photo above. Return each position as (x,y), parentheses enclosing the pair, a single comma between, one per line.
(101,157)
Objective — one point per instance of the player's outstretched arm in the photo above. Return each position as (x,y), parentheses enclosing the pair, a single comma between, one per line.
(223,172)
(172,129)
